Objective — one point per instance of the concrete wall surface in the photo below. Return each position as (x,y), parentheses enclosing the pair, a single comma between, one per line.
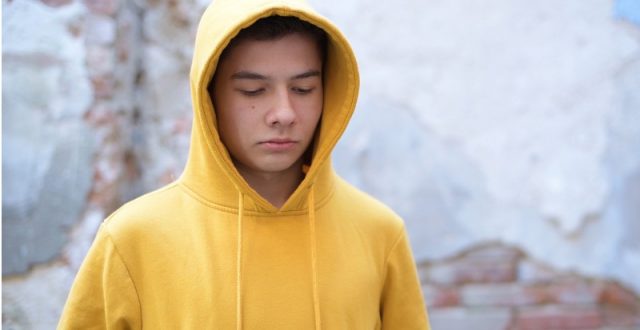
(505,133)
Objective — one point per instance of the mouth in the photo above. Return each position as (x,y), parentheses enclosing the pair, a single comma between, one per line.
(279,144)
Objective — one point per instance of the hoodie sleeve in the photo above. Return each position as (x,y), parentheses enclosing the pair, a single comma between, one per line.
(402,301)
(103,295)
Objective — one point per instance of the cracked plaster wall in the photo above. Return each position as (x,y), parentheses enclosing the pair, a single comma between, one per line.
(501,121)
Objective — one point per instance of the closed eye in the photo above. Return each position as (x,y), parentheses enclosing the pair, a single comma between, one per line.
(302,91)
(251,92)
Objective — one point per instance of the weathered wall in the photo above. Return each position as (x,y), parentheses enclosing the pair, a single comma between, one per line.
(47,145)
(168,32)
(516,123)
(68,114)
(502,120)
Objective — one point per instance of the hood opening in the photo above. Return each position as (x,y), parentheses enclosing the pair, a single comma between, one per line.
(210,171)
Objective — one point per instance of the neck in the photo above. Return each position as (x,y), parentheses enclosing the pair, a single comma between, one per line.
(275,187)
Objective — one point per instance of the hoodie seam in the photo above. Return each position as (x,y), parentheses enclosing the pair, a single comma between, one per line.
(191,192)
(388,255)
(133,283)
(234,210)
(146,195)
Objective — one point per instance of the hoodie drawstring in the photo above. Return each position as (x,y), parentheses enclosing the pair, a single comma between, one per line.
(314,261)
(239,264)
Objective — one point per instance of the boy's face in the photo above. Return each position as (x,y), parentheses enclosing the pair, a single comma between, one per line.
(268,100)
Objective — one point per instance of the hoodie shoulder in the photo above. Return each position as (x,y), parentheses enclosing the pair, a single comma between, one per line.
(145,214)
(367,210)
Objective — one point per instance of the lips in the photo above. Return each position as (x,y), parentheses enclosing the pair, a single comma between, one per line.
(279,144)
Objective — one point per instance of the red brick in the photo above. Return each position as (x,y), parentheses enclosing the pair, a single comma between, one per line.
(485,264)
(616,295)
(558,317)
(621,317)
(494,252)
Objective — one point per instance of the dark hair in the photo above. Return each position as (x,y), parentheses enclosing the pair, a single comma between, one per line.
(276,27)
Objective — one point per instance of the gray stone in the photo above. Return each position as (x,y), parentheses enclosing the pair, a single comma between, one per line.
(47,149)
(48,184)
(35,301)
(13,316)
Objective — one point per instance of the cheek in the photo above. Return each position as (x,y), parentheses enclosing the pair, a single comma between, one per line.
(311,109)
(237,120)
(318,108)
(230,123)
(232,110)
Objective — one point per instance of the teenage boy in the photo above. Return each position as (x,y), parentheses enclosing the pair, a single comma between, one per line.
(259,232)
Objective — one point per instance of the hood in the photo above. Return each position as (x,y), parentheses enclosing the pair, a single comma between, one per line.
(210,172)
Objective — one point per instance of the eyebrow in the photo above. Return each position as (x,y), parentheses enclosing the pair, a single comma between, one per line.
(308,74)
(248,75)
(256,76)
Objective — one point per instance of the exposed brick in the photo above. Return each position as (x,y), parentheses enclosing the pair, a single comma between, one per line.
(616,295)
(470,318)
(621,317)
(503,295)
(558,317)
(575,291)
(494,252)
(543,297)
(487,264)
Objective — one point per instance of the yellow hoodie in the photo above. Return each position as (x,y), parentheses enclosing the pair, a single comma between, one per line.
(208,252)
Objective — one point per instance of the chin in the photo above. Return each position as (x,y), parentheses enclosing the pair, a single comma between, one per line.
(276,166)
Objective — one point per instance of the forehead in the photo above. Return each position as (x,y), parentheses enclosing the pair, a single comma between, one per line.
(294,49)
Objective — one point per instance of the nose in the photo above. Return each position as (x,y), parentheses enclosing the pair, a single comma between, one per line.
(282,112)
